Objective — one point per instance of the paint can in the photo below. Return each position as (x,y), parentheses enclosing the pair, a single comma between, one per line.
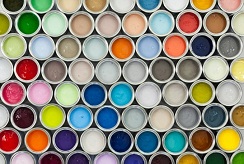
(120,141)
(37,140)
(13,93)
(161,118)
(148,47)
(149,7)
(122,7)
(27,69)
(95,48)
(108,71)
(189,157)
(54,70)
(216,156)
(229,92)
(6,24)
(94,94)
(81,19)
(229,46)
(161,156)
(10,140)
(80,156)
(134,157)
(95,7)
(6,68)
(148,95)
(236,70)
(216,22)
(4,116)
(22,156)
(50,157)
(80,117)
(134,118)
(229,7)
(236,157)
(189,69)
(215,116)
(236,116)
(176,6)
(3,159)
(106,157)
(93,141)
(107,118)
(65,140)
(23,117)
(69,7)
(236,23)
(203,7)
(188,117)
(13,7)
(41,47)
(121,94)
(41,7)
(162,70)
(147,141)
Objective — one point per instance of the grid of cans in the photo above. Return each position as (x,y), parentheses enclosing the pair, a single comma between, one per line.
(119,81)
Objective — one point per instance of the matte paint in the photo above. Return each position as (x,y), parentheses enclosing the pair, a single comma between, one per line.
(175,142)
(189,158)
(202,46)
(189,22)
(4,24)
(134,158)
(13,93)
(229,46)
(216,158)
(9,140)
(120,141)
(237,70)
(68,48)
(37,140)
(149,5)
(78,158)
(162,70)
(6,69)
(22,157)
(28,23)
(189,69)
(214,116)
(188,117)
(122,6)
(41,6)
(54,71)
(176,5)
(69,137)
(238,158)
(107,118)
(147,142)
(4,116)
(106,157)
(202,92)
(13,5)
(216,23)
(237,24)
(50,158)
(237,116)
(27,69)
(122,48)
(175,46)
(134,24)
(230,6)
(69,6)
(161,158)
(94,94)
(203,4)
(202,140)
(95,5)
(23,117)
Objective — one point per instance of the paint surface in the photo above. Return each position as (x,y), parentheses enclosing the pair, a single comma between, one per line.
(4,116)
(134,158)
(148,47)
(2,159)
(9,140)
(216,69)
(51,158)
(80,118)
(69,48)
(23,117)
(216,23)
(107,118)
(122,48)
(4,24)
(162,70)
(161,119)
(22,157)
(81,72)
(147,142)
(203,4)
(238,24)
(37,140)
(120,141)
(176,5)
(52,116)
(39,93)
(134,118)
(54,71)
(28,23)
(69,137)
(27,69)
(122,94)
(13,5)
(6,69)
(95,5)
(14,47)
(95,48)
(188,158)
(134,24)
(237,70)
(161,23)
(67,94)
(175,142)
(237,116)
(238,158)
(108,25)
(229,46)
(230,6)
(214,116)
(13,93)
(161,158)
(202,46)
(42,47)
(229,139)
(41,6)
(106,158)
(108,72)
(81,24)
(94,94)
(69,6)
(122,6)
(202,92)
(189,22)
(216,158)
(149,5)
(175,46)
(78,158)
(189,69)
(202,140)
(54,24)
(188,117)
